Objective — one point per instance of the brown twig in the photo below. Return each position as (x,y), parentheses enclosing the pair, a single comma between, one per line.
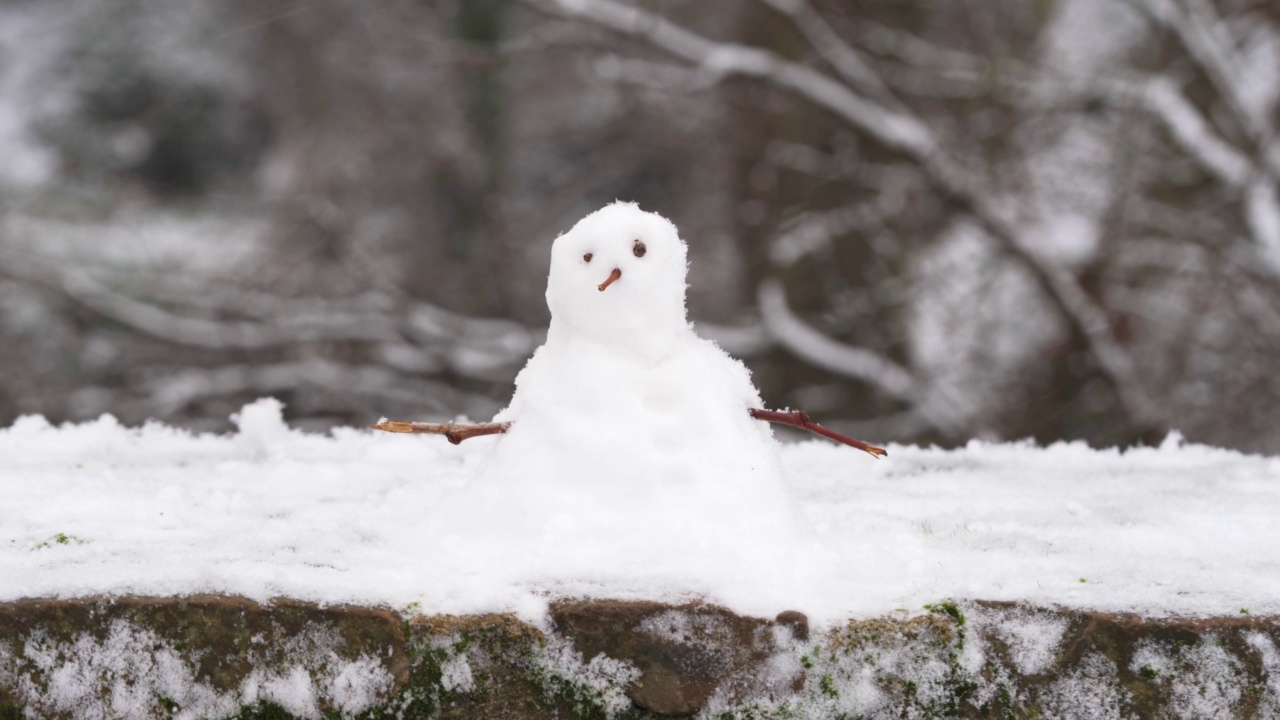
(453,432)
(800,419)
(613,277)
(456,432)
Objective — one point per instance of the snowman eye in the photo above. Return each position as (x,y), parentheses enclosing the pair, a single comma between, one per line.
(638,249)
(586,258)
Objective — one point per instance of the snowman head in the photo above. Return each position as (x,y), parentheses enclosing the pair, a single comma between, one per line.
(618,278)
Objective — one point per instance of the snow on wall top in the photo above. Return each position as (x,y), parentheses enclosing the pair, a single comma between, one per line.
(98,508)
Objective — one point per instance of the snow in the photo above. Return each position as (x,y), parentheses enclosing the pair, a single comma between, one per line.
(1207,680)
(1090,691)
(1032,638)
(455,675)
(98,508)
(1270,701)
(596,682)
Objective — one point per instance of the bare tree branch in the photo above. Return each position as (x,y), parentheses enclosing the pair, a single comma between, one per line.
(198,332)
(824,352)
(721,60)
(839,54)
(1199,29)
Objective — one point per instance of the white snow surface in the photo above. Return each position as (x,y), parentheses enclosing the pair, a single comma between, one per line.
(97,508)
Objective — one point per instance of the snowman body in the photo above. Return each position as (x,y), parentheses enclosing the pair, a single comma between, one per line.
(625,422)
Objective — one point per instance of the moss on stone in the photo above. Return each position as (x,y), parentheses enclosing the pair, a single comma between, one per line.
(496,647)
(265,711)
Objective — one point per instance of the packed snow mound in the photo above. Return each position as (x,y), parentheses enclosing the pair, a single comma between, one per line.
(97,508)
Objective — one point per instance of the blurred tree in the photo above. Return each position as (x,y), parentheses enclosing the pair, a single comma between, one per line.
(935,221)
(159,113)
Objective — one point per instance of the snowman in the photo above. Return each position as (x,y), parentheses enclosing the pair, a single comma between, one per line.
(626,423)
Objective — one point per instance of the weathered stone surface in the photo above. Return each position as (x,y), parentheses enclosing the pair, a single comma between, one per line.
(1229,665)
(797,621)
(222,639)
(495,649)
(684,653)
(613,659)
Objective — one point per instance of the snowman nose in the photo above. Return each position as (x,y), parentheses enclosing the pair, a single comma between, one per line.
(612,277)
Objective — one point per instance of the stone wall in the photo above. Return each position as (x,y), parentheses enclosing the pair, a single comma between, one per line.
(219,657)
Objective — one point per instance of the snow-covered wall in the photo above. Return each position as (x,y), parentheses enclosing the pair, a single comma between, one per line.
(994,580)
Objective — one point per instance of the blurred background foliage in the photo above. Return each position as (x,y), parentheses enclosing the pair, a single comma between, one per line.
(921,221)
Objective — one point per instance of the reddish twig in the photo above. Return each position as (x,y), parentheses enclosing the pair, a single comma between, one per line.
(800,419)
(453,432)
(613,277)
(456,432)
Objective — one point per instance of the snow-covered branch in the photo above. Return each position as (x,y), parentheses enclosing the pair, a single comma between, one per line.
(1161,97)
(478,347)
(818,231)
(1256,170)
(824,352)
(153,320)
(1197,26)
(723,60)
(830,46)
(926,401)
(375,348)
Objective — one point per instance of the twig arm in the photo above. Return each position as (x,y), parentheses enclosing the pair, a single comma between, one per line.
(800,419)
(453,432)
(457,432)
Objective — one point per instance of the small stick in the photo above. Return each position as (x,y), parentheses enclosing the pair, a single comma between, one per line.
(453,432)
(457,432)
(613,276)
(800,419)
